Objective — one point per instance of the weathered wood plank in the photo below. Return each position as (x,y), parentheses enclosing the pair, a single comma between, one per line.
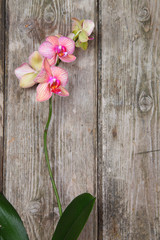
(2,35)
(72,135)
(130,120)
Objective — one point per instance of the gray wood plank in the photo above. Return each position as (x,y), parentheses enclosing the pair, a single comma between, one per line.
(2,37)
(130,120)
(72,134)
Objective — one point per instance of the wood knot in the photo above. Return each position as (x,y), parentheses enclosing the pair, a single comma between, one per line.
(114,132)
(144,15)
(49,14)
(28,25)
(145,102)
(144,18)
(33,207)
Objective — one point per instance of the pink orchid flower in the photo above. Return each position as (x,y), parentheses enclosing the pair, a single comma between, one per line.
(55,81)
(28,73)
(54,47)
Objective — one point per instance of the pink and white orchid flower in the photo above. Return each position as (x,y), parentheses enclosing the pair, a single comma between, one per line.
(28,73)
(54,47)
(55,81)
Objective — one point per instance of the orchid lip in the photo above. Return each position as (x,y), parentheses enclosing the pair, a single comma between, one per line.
(61,51)
(51,80)
(54,84)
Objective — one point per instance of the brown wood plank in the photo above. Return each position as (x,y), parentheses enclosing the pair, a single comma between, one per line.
(2,43)
(130,119)
(72,135)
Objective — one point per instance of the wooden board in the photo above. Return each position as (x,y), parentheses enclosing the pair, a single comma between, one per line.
(2,63)
(119,114)
(72,134)
(129,120)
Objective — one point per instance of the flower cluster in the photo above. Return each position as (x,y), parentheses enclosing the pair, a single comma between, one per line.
(42,68)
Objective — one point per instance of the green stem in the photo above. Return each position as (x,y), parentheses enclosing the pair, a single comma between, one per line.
(76,36)
(47,158)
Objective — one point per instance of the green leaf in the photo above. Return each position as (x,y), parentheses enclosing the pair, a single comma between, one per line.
(74,218)
(11,226)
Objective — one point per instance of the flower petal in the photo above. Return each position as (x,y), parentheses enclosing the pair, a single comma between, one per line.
(53,40)
(53,60)
(83,37)
(83,45)
(76,25)
(42,77)
(60,74)
(68,43)
(71,35)
(46,49)
(88,26)
(69,58)
(90,38)
(58,35)
(27,80)
(36,60)
(43,92)
(22,70)
(47,67)
(63,92)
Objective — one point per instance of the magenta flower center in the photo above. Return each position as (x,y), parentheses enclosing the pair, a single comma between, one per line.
(54,84)
(61,51)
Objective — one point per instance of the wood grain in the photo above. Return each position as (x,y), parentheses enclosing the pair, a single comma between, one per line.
(2,42)
(130,120)
(72,134)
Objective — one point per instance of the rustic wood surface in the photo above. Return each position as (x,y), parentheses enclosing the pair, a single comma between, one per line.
(103,138)
(130,120)
(2,87)
(72,134)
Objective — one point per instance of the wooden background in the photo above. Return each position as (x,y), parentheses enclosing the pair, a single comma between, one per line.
(104,138)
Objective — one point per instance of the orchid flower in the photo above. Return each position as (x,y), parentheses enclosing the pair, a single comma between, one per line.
(55,81)
(54,47)
(82,31)
(28,73)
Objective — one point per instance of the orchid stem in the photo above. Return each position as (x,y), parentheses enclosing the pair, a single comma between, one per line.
(47,158)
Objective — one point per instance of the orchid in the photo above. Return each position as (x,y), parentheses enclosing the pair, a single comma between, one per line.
(82,30)
(28,73)
(58,47)
(43,70)
(55,81)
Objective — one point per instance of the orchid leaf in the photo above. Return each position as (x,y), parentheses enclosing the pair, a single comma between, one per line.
(11,226)
(74,218)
